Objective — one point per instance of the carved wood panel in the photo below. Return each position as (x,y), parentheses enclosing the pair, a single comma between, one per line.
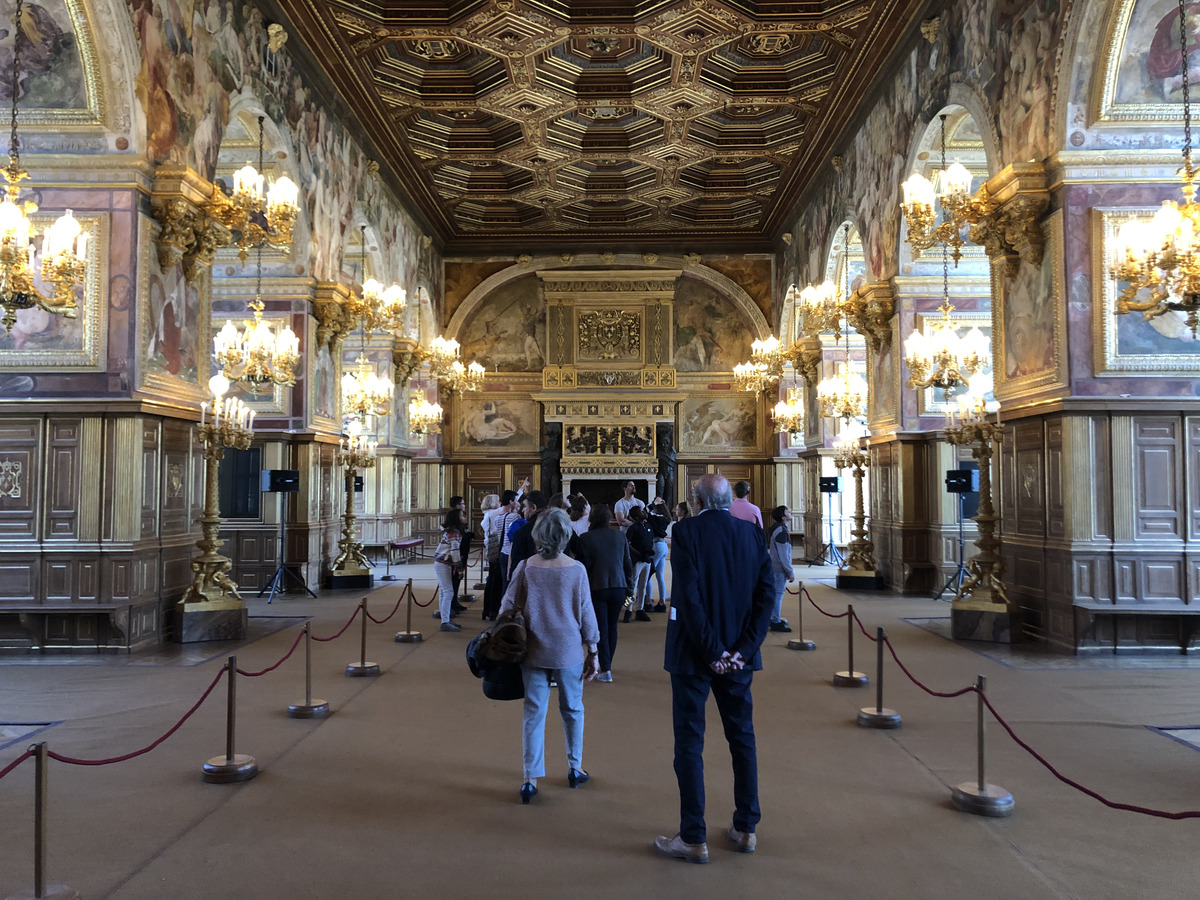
(20,468)
(1056,504)
(1156,478)
(1030,477)
(1192,430)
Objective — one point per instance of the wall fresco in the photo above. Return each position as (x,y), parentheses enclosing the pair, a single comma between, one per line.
(51,67)
(711,335)
(507,333)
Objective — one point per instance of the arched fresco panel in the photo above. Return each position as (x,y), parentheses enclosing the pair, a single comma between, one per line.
(711,334)
(507,332)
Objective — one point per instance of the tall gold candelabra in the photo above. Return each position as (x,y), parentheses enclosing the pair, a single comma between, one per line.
(859,557)
(984,585)
(229,423)
(355,452)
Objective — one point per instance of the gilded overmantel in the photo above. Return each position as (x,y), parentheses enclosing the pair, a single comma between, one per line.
(609,328)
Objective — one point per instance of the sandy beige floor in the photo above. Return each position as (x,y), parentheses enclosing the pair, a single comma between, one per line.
(409,789)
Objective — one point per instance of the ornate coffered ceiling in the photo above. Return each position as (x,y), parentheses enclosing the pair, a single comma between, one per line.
(549,123)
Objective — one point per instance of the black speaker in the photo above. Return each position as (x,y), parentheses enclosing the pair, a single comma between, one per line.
(358,483)
(281,481)
(831,485)
(962,481)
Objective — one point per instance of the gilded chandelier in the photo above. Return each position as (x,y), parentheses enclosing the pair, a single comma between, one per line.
(376,307)
(424,417)
(1161,256)
(64,246)
(258,355)
(256,218)
(959,207)
(364,392)
(844,394)
(788,415)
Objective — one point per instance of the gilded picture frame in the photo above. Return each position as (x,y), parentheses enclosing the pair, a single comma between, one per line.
(486,424)
(1128,31)
(722,424)
(1128,344)
(60,344)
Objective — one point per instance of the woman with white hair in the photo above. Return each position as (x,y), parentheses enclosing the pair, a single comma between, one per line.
(562,639)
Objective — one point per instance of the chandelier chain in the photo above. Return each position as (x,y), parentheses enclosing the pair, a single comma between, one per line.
(945,245)
(14,144)
(1187,101)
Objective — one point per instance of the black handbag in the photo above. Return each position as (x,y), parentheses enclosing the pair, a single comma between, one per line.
(495,655)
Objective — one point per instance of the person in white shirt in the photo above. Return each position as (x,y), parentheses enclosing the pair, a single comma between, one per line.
(625,504)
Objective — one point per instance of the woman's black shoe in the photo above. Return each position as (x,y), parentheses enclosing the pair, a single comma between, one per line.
(528,791)
(626,617)
(576,777)
(659,607)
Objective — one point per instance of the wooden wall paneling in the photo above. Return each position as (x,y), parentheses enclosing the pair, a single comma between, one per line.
(1030,478)
(153,481)
(63,465)
(1158,478)
(1099,480)
(20,576)
(1191,430)
(123,487)
(1058,478)
(20,479)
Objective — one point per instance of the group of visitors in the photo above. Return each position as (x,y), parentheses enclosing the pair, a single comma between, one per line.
(577,571)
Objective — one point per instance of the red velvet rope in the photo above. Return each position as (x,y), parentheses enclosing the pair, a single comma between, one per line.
(1070,782)
(350,622)
(821,611)
(70,760)
(16,762)
(427,602)
(395,608)
(272,668)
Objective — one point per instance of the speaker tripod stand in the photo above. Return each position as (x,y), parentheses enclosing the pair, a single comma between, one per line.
(279,581)
(830,554)
(961,574)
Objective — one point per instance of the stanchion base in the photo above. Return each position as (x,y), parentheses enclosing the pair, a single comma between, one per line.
(314,710)
(223,770)
(797,644)
(850,679)
(51,892)
(466,598)
(362,670)
(480,586)
(388,578)
(870,717)
(408,637)
(992,801)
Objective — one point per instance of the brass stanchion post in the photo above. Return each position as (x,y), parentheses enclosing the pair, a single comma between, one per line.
(362,668)
(310,708)
(40,888)
(232,767)
(798,642)
(979,797)
(408,636)
(878,717)
(850,678)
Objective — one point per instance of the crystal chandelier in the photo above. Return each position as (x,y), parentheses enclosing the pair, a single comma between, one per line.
(258,356)
(441,356)
(788,415)
(444,364)
(959,208)
(255,218)
(844,394)
(377,307)
(821,309)
(1161,256)
(943,359)
(750,376)
(848,449)
(424,417)
(64,246)
(365,393)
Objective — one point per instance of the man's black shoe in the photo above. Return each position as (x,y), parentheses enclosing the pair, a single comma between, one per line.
(642,616)
(781,626)
(659,607)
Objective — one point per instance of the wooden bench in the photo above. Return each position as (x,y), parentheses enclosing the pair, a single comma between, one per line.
(412,546)
(1186,614)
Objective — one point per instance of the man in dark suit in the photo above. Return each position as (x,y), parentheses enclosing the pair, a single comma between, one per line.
(722,595)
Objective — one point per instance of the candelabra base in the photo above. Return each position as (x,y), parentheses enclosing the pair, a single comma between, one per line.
(355,580)
(982,622)
(859,580)
(202,622)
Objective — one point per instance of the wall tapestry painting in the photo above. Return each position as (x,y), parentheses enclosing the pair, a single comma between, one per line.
(488,423)
(719,425)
